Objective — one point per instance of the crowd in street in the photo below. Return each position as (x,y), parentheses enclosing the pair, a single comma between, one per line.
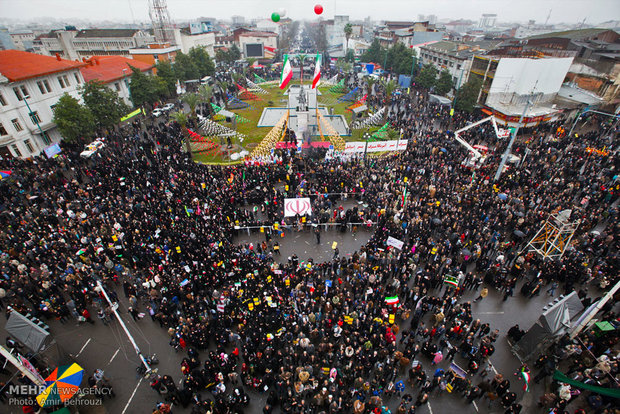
(346,335)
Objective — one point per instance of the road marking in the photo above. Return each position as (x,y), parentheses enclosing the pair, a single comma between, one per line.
(493,367)
(430,410)
(475,405)
(132,395)
(113,356)
(78,354)
(490,313)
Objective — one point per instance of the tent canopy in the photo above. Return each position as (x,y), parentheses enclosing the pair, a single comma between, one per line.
(26,331)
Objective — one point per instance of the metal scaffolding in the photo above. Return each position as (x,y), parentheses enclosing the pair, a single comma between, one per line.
(554,236)
(160,19)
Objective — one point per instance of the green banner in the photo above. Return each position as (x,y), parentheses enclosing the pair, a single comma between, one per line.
(132,114)
(610,392)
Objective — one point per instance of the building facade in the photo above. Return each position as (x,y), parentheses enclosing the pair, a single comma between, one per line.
(448,56)
(74,44)
(186,40)
(30,86)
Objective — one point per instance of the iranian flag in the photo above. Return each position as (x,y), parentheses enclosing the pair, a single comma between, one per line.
(317,71)
(287,73)
(451,280)
(526,378)
(392,300)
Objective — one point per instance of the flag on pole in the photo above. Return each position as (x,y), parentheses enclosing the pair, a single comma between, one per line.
(317,71)
(392,300)
(287,73)
(526,378)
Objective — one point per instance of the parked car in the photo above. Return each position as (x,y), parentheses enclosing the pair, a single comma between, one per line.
(168,107)
(158,112)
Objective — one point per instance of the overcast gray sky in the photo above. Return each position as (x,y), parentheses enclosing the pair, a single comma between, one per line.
(569,11)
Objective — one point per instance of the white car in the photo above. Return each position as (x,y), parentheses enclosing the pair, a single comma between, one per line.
(168,107)
(92,148)
(158,112)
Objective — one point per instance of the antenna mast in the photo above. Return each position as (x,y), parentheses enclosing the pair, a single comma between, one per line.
(160,19)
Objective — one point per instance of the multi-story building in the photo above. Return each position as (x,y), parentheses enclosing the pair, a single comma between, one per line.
(450,56)
(30,86)
(187,38)
(488,20)
(154,53)
(114,72)
(73,44)
(6,42)
(258,44)
(23,39)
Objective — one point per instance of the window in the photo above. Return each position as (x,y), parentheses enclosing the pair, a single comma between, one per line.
(18,127)
(63,81)
(117,86)
(28,145)
(34,117)
(16,150)
(3,130)
(458,66)
(21,92)
(42,87)
(46,138)
(2,101)
(77,78)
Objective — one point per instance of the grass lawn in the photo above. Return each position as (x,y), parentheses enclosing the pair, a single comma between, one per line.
(254,134)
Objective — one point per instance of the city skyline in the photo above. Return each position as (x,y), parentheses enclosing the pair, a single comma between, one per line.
(567,11)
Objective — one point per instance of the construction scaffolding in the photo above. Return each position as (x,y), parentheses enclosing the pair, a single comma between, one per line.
(554,236)
(272,138)
(326,129)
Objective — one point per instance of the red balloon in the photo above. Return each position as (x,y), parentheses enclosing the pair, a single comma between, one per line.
(318,9)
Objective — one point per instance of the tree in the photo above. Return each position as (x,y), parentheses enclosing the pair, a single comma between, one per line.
(206,93)
(348,30)
(444,83)
(180,118)
(235,53)
(104,103)
(399,59)
(202,60)
(145,89)
(427,76)
(185,68)
(223,85)
(370,81)
(74,121)
(389,88)
(343,65)
(192,100)
(467,95)
(375,53)
(350,56)
(166,73)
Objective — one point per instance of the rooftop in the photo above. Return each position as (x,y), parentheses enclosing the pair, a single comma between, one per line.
(16,65)
(572,34)
(97,33)
(110,68)
(258,34)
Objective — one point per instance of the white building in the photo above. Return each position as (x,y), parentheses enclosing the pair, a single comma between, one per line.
(258,44)
(448,56)
(187,40)
(488,20)
(114,72)
(30,86)
(23,39)
(72,44)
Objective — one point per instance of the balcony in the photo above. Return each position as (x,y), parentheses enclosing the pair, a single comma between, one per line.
(6,140)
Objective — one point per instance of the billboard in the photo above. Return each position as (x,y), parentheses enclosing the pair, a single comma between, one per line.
(254,50)
(522,76)
(200,27)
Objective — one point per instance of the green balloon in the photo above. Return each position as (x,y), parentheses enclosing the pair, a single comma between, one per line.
(275,17)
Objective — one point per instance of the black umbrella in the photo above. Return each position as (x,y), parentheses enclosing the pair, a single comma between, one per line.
(436,221)
(519,233)
(519,214)
(466,252)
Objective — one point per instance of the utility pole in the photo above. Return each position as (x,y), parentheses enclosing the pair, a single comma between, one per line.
(512,140)
(114,307)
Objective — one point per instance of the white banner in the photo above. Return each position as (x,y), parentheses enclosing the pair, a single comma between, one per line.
(377,146)
(503,133)
(294,206)
(391,241)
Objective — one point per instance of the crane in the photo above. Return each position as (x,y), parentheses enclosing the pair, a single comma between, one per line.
(477,157)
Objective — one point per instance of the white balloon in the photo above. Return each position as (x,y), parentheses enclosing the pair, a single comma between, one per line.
(282,12)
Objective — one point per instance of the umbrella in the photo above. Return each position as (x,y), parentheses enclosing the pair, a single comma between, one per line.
(519,214)
(503,196)
(436,221)
(5,174)
(519,233)
(466,252)
(61,385)
(444,150)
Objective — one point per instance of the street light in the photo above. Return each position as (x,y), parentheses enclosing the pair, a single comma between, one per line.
(366,137)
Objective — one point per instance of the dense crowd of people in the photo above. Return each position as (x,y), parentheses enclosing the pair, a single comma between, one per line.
(346,335)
